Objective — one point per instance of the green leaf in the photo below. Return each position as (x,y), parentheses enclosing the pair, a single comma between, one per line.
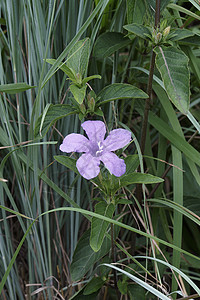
(135,11)
(108,43)
(193,40)
(184,10)
(78,57)
(86,79)
(179,34)
(78,92)
(93,285)
(67,162)
(122,286)
(54,113)
(84,257)
(173,67)
(63,67)
(119,91)
(139,178)
(132,163)
(99,227)
(139,30)
(14,88)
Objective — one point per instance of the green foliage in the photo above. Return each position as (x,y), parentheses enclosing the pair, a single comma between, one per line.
(99,227)
(109,42)
(173,67)
(56,234)
(84,257)
(14,88)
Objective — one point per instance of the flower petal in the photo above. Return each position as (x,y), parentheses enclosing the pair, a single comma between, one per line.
(95,130)
(75,142)
(113,163)
(117,138)
(88,166)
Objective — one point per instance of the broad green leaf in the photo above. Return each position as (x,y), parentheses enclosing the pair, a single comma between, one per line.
(122,286)
(54,113)
(119,91)
(108,43)
(93,285)
(14,88)
(99,227)
(172,64)
(78,92)
(193,40)
(180,34)
(135,11)
(67,162)
(139,30)
(84,257)
(63,67)
(78,57)
(139,178)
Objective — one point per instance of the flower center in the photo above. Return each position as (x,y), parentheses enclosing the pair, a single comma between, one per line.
(100,149)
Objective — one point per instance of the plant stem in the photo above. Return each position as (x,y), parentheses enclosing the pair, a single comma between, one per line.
(148,100)
(149,86)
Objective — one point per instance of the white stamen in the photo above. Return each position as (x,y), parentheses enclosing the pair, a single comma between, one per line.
(100,148)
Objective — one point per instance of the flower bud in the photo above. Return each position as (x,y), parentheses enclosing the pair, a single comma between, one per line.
(166,31)
(158,37)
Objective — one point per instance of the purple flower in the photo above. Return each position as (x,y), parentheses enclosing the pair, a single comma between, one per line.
(97,149)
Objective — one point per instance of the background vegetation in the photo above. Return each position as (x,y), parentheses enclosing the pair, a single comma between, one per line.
(43,259)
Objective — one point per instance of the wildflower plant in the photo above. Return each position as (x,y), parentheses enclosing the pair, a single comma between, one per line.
(97,149)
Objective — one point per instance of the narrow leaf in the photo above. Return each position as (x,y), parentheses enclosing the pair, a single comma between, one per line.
(14,88)
(63,67)
(140,282)
(175,138)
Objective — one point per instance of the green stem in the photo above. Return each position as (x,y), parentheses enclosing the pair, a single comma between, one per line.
(148,100)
